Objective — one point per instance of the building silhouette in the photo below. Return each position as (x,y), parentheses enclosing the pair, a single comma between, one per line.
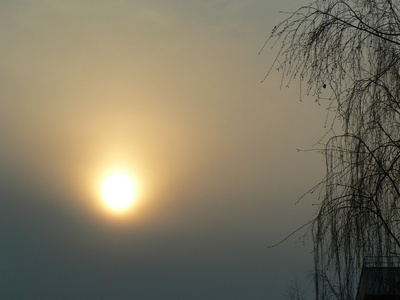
(380,279)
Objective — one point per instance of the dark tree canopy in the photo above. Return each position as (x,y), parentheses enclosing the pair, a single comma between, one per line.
(348,53)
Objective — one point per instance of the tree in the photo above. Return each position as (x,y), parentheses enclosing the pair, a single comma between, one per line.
(294,291)
(348,54)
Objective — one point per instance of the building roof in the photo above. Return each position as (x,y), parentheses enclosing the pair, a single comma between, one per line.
(380,279)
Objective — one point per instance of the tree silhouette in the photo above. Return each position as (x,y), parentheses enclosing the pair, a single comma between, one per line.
(294,291)
(347,53)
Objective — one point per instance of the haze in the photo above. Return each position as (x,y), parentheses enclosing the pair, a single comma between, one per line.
(171,91)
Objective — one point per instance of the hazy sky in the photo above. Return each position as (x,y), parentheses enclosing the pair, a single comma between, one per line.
(170,92)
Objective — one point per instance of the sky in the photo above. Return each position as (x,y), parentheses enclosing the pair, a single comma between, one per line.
(169,92)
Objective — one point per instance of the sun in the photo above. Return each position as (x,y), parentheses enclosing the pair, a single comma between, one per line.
(118,191)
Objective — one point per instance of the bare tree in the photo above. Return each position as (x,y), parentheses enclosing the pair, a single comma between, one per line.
(294,291)
(348,53)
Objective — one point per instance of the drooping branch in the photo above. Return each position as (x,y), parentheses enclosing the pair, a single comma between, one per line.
(348,53)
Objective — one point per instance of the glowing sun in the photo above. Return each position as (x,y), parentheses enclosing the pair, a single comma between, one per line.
(118,191)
